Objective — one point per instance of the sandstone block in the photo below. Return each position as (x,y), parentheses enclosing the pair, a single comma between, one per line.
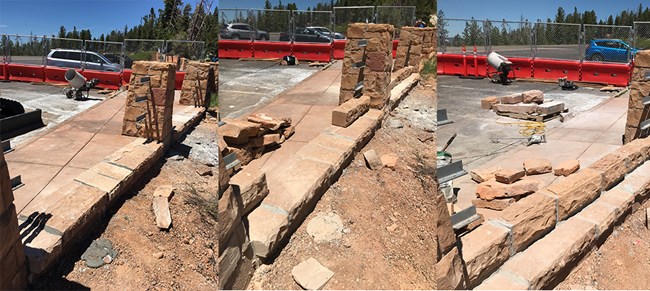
(251,185)
(576,191)
(490,190)
(503,280)
(530,218)
(160,207)
(549,108)
(348,112)
(494,204)
(484,250)
(482,175)
(533,96)
(567,167)
(449,272)
(613,166)
(537,166)
(509,176)
(238,131)
(229,213)
(548,257)
(268,225)
(521,108)
(372,159)
(311,275)
(488,102)
(601,214)
(512,99)
(269,122)
(642,59)
(445,232)
(389,161)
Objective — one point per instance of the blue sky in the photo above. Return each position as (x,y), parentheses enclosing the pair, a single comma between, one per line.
(101,16)
(46,16)
(532,10)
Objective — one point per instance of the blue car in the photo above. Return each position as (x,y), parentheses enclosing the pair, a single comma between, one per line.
(609,50)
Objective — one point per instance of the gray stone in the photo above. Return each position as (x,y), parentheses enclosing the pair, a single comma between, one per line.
(311,275)
(97,251)
(325,227)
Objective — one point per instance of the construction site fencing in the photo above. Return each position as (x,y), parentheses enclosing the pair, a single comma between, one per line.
(547,40)
(398,16)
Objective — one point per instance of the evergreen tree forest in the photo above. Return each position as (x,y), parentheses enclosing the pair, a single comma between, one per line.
(563,29)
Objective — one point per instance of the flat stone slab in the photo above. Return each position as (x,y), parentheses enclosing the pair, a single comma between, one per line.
(311,275)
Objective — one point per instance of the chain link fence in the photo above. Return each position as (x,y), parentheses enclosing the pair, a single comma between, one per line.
(236,24)
(352,14)
(271,25)
(92,54)
(564,41)
(642,35)
(314,26)
(398,16)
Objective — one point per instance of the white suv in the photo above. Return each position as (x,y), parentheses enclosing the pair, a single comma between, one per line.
(78,59)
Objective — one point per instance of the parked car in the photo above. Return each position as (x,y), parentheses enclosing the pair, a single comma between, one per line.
(78,59)
(242,31)
(611,50)
(115,58)
(325,31)
(303,34)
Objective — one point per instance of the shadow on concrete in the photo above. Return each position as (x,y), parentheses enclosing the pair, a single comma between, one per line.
(33,225)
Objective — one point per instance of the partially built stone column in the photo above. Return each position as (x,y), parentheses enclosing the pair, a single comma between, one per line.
(639,103)
(13,267)
(367,59)
(195,90)
(149,105)
(415,45)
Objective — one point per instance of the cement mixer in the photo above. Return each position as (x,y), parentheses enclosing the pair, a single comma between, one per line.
(78,85)
(503,67)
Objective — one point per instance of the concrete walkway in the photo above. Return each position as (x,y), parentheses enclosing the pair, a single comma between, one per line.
(310,105)
(586,137)
(56,157)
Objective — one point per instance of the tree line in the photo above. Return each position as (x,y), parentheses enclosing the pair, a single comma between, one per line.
(549,31)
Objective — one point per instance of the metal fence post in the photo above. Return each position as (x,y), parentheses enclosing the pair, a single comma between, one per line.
(486,30)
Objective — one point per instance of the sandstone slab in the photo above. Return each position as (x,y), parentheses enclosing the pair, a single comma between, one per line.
(533,96)
(372,159)
(311,275)
(161,211)
(251,185)
(482,175)
(576,191)
(509,176)
(484,250)
(503,280)
(530,218)
(512,99)
(389,161)
(490,190)
(550,108)
(567,168)
(449,271)
(537,166)
(494,204)
(488,102)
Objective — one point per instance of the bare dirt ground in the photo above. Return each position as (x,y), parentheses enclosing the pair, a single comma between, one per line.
(621,262)
(189,250)
(388,239)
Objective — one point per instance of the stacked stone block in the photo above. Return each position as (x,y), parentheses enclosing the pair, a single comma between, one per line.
(13,267)
(420,40)
(639,91)
(197,73)
(378,58)
(139,102)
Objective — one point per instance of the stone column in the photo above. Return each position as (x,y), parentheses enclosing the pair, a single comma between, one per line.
(13,267)
(639,90)
(418,42)
(195,73)
(377,55)
(143,111)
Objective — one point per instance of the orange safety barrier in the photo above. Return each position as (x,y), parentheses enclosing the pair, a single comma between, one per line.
(312,51)
(235,49)
(555,69)
(107,80)
(521,67)
(395,44)
(267,49)
(339,49)
(451,64)
(25,73)
(55,75)
(3,70)
(179,80)
(126,76)
(609,73)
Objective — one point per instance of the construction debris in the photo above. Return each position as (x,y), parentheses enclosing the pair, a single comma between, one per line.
(528,105)
(372,160)
(250,138)
(317,64)
(311,275)
(161,211)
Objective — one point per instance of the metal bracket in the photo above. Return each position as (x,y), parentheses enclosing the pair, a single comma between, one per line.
(645,125)
(363,43)
(442,117)
(140,118)
(16,182)
(232,161)
(6,146)
(141,98)
(145,79)
(464,217)
(451,171)
(646,101)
